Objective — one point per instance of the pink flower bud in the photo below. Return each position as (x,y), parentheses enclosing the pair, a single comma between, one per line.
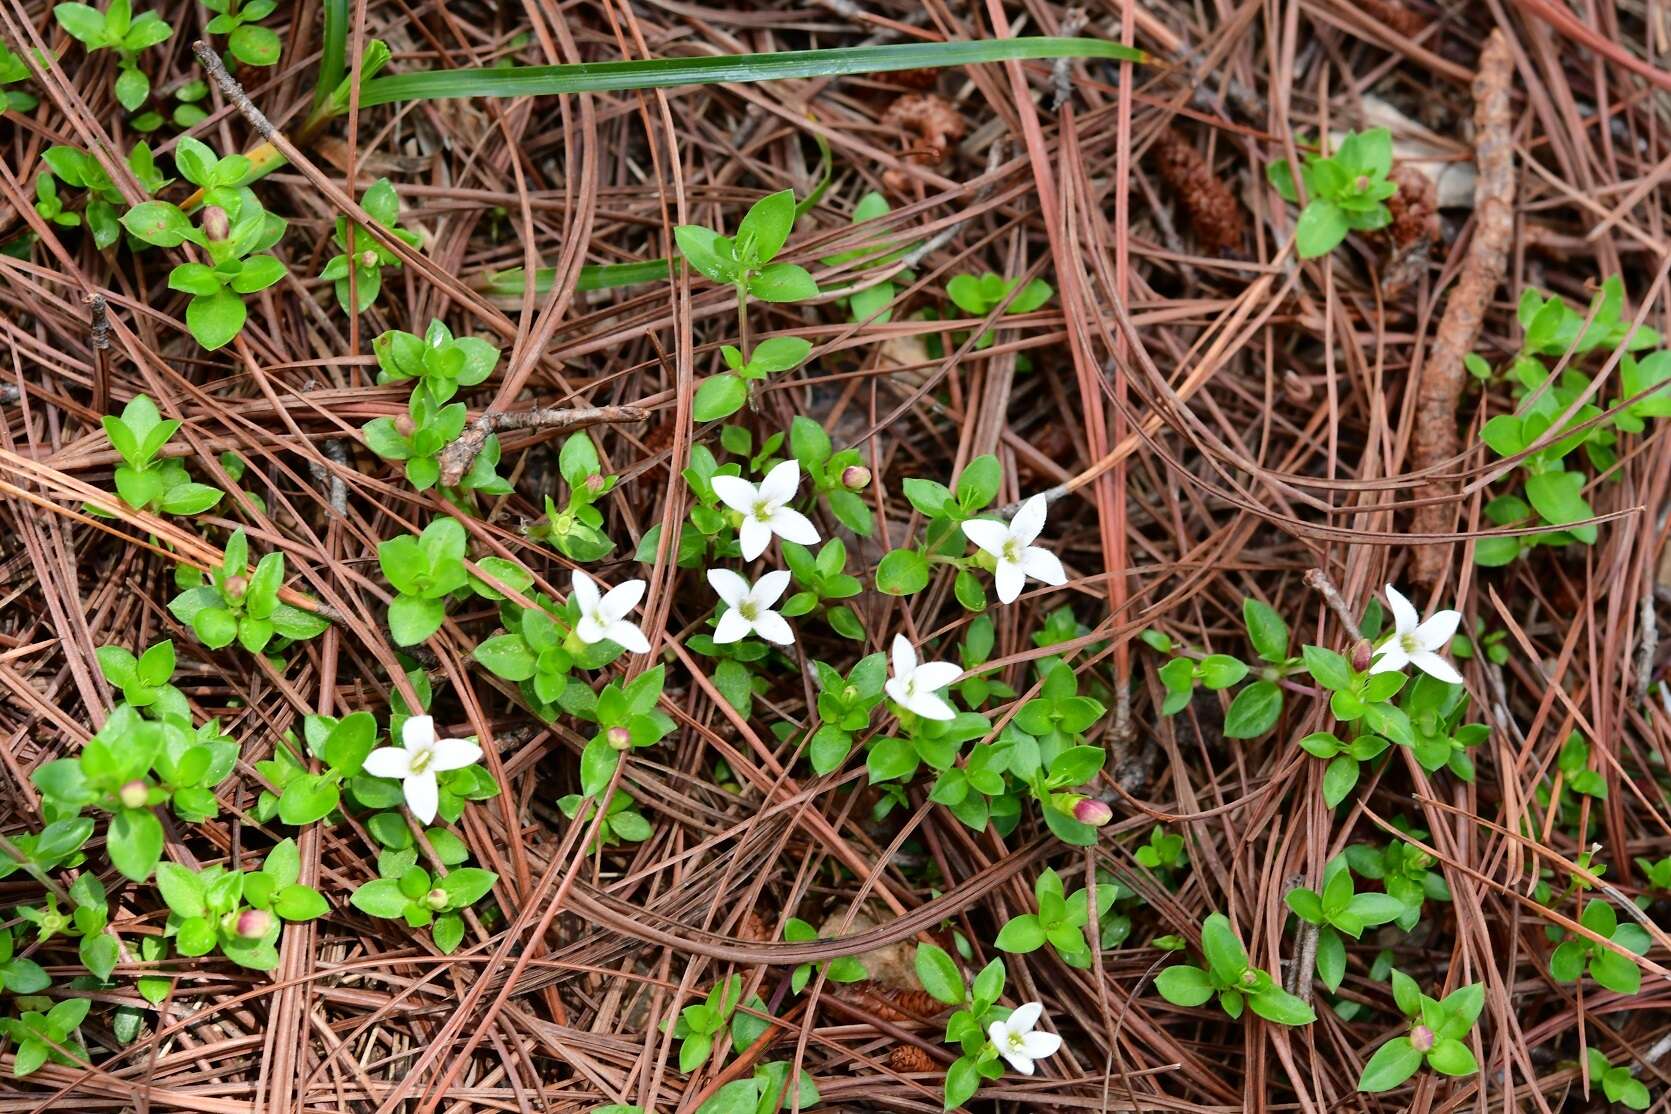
(855,477)
(1422,1038)
(1361,183)
(368,258)
(594,482)
(216,226)
(135,794)
(236,586)
(436,899)
(253,924)
(619,738)
(1093,812)
(1362,654)
(405,426)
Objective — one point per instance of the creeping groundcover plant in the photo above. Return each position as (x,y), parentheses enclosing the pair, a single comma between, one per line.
(743,560)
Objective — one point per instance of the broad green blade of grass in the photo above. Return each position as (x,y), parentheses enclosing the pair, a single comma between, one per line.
(333,58)
(594,276)
(657,73)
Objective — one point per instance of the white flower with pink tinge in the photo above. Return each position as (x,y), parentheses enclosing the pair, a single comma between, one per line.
(1018,1042)
(765,509)
(1013,552)
(605,617)
(915,686)
(416,761)
(748,608)
(1417,643)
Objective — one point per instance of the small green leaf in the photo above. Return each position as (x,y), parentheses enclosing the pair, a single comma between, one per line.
(939,975)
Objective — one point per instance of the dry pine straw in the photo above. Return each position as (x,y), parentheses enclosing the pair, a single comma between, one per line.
(1222,419)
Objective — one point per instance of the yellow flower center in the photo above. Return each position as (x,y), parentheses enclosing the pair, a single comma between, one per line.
(420,759)
(748,609)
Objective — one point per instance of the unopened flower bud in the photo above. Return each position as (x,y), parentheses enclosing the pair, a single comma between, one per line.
(1250,978)
(216,226)
(253,924)
(135,794)
(1362,654)
(594,482)
(236,586)
(368,258)
(1093,812)
(619,737)
(1361,183)
(436,899)
(1422,1038)
(404,425)
(855,477)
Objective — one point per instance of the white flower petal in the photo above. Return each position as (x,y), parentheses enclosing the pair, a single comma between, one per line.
(619,601)
(929,706)
(931,676)
(774,628)
(628,636)
(585,592)
(1038,1045)
(768,588)
(895,687)
(1435,666)
(998,1033)
(793,526)
(753,535)
(1029,520)
(417,731)
(1435,634)
(780,484)
(1405,616)
(1391,657)
(423,795)
(590,630)
(1019,1062)
(1026,1015)
(728,586)
(388,762)
(904,657)
(987,534)
(732,627)
(735,492)
(454,754)
(1010,580)
(1042,565)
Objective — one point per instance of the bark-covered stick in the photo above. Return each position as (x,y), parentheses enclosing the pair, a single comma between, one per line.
(1443,375)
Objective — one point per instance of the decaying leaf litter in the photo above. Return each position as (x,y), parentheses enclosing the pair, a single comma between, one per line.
(1077,277)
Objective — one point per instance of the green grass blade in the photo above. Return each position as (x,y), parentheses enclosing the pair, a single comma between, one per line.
(333,58)
(594,276)
(659,73)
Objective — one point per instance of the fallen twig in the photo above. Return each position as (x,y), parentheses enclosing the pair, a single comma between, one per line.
(457,458)
(1442,376)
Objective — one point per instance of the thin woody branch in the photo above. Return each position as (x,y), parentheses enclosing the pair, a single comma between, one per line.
(457,458)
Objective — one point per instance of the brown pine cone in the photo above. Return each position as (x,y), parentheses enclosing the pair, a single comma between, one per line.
(908,1058)
(1214,214)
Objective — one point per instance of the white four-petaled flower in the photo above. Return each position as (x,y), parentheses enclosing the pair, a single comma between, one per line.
(1011,546)
(416,761)
(748,608)
(915,685)
(605,616)
(1018,1042)
(765,509)
(1417,643)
